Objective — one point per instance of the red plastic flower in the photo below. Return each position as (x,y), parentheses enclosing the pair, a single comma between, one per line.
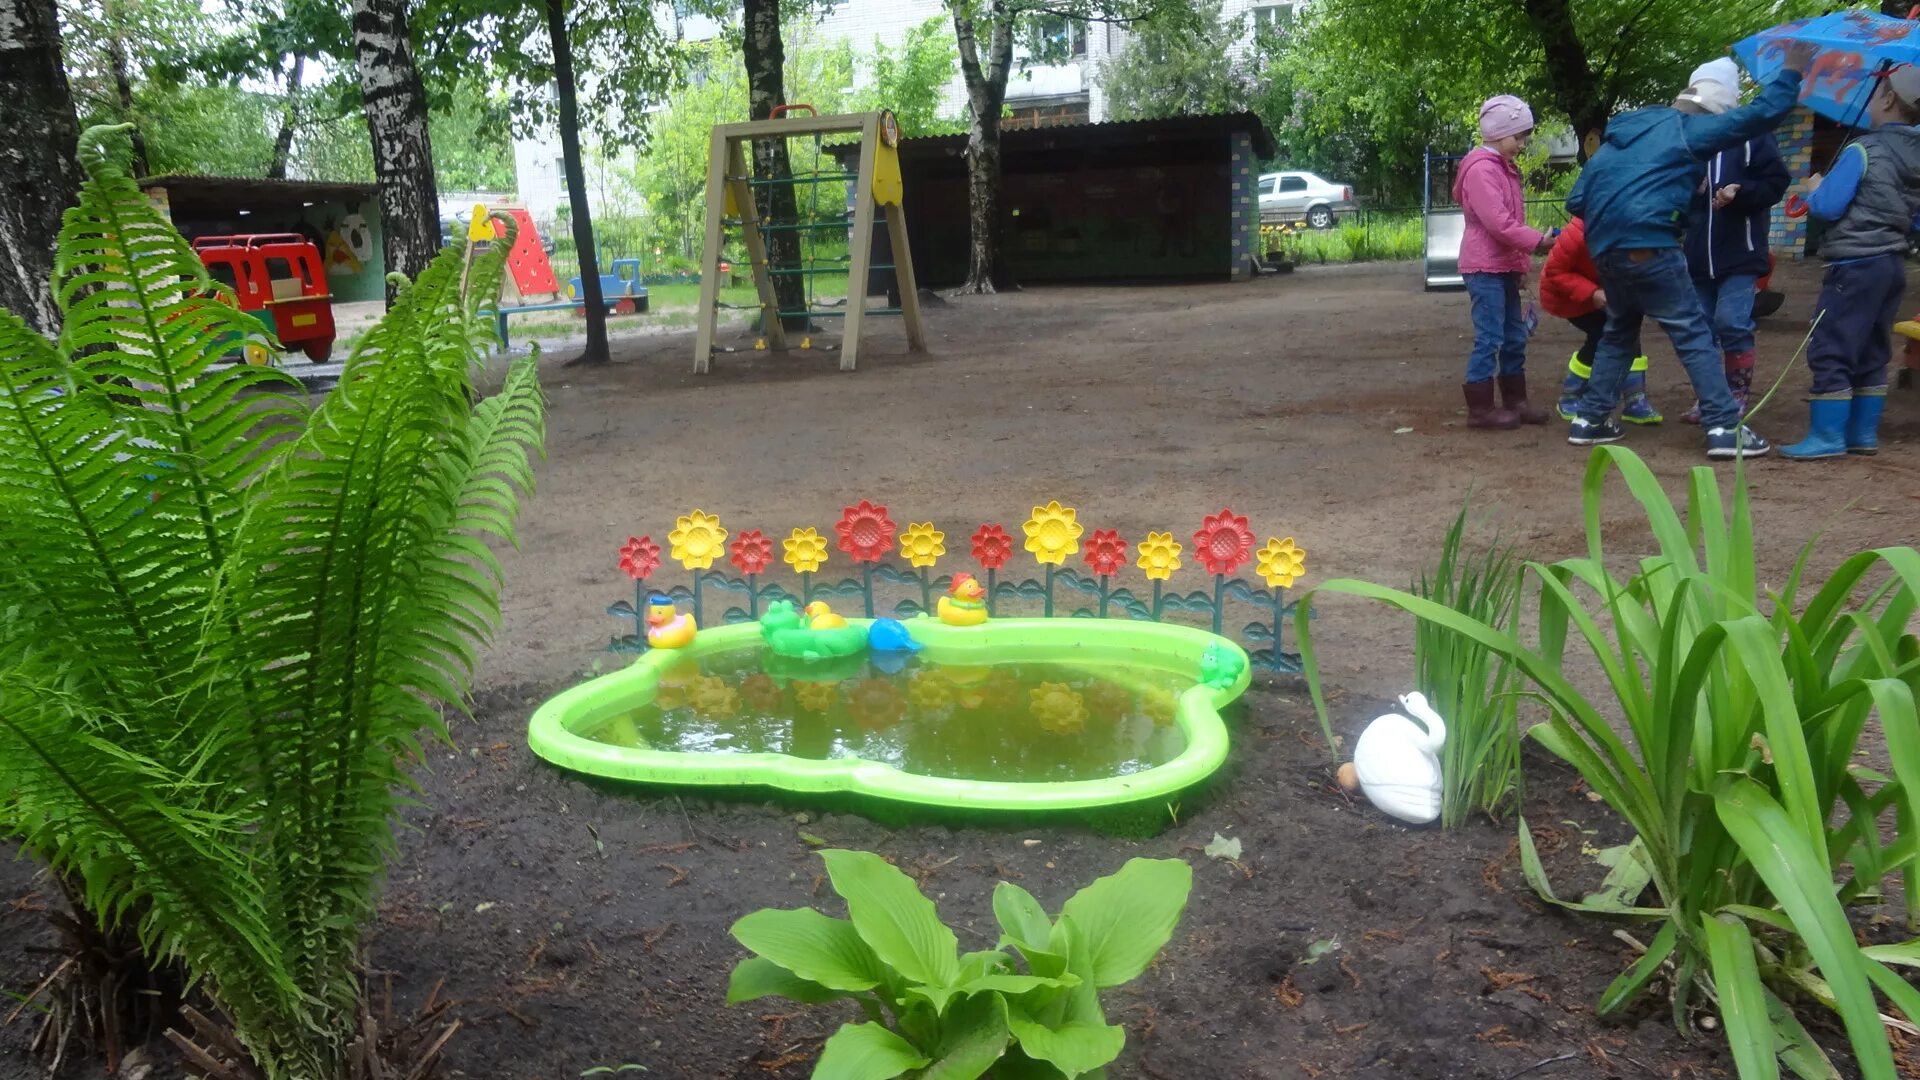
(751,552)
(1106,553)
(639,557)
(992,547)
(866,532)
(1223,542)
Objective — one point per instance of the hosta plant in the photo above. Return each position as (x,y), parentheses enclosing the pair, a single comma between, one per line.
(227,619)
(1027,1008)
(1734,740)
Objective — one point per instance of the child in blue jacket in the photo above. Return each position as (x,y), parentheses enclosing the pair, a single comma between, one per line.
(1634,195)
(1872,196)
(1727,240)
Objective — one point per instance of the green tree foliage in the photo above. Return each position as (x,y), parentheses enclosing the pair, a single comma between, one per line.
(1179,68)
(1360,89)
(911,80)
(227,619)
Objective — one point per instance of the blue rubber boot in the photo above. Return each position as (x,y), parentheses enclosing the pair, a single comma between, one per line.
(1863,420)
(1574,387)
(1826,429)
(1638,410)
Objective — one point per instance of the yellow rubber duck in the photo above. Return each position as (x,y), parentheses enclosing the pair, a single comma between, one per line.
(965,603)
(667,627)
(821,617)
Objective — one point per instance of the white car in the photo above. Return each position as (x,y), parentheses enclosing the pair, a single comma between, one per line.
(1293,196)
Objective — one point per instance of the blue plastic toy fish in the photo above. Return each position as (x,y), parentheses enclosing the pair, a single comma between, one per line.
(890,635)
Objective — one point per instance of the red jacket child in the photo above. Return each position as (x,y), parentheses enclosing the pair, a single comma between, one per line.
(1570,279)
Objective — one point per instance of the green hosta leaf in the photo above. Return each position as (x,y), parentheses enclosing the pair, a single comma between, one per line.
(812,946)
(866,1052)
(1125,918)
(1743,1002)
(973,1037)
(758,977)
(891,915)
(984,962)
(1797,877)
(1627,877)
(1021,917)
(1080,1042)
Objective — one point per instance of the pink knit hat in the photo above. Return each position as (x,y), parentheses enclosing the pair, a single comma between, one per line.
(1503,116)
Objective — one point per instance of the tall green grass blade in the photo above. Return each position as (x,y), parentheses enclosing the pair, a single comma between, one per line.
(1743,1003)
(1795,1046)
(1632,983)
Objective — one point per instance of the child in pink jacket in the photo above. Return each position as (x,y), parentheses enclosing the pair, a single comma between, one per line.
(1495,255)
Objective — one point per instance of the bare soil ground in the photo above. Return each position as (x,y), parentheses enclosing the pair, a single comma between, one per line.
(1145,408)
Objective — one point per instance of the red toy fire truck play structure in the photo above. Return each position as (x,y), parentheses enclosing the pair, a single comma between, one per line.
(280,281)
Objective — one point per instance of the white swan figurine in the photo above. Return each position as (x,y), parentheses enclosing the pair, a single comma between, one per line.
(1396,762)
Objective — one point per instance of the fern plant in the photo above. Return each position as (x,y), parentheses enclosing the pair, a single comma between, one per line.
(226,619)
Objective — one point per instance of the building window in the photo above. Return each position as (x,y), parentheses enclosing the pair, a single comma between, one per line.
(1273,19)
(1055,36)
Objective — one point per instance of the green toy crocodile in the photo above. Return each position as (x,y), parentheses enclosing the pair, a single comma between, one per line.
(787,634)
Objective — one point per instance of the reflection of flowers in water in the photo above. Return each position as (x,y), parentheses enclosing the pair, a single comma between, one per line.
(815,696)
(876,704)
(1001,692)
(760,692)
(1107,700)
(930,691)
(1158,705)
(671,691)
(711,697)
(1058,708)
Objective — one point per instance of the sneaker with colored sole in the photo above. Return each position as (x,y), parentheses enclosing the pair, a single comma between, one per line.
(1585,432)
(1639,410)
(1736,442)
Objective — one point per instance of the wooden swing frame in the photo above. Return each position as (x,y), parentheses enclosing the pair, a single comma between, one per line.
(728,187)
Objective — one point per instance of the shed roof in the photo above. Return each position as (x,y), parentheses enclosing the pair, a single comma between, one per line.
(245,192)
(1172,129)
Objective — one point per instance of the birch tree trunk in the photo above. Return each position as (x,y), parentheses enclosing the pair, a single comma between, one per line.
(283,140)
(766,59)
(578,203)
(396,104)
(987,269)
(39,174)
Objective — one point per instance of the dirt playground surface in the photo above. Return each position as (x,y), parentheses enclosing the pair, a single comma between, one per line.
(583,925)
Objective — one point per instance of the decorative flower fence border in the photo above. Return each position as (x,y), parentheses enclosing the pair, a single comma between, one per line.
(867,536)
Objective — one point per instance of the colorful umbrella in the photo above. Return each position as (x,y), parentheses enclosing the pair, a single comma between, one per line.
(1853,47)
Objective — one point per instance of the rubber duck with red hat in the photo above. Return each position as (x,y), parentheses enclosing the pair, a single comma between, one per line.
(965,603)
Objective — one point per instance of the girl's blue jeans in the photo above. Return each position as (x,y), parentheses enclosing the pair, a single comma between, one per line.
(1499,326)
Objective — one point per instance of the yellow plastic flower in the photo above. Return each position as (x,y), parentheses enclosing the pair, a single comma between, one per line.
(1058,708)
(1159,555)
(1158,707)
(697,540)
(922,545)
(806,550)
(1280,562)
(1053,533)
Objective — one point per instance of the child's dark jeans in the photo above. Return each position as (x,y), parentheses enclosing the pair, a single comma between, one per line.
(1654,283)
(1499,326)
(1859,303)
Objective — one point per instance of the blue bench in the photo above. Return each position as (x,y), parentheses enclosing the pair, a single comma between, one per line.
(500,313)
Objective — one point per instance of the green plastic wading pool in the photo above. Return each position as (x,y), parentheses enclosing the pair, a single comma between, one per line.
(1154,658)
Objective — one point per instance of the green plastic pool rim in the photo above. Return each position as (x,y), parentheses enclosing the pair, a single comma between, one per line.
(1094,642)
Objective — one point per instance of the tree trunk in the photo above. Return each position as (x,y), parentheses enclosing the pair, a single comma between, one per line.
(123,85)
(1570,77)
(766,61)
(987,269)
(283,142)
(396,104)
(39,174)
(577,202)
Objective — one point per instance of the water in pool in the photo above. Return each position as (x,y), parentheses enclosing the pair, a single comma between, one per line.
(1010,722)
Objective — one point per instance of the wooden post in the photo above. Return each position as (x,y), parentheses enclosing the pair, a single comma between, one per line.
(710,254)
(862,243)
(903,277)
